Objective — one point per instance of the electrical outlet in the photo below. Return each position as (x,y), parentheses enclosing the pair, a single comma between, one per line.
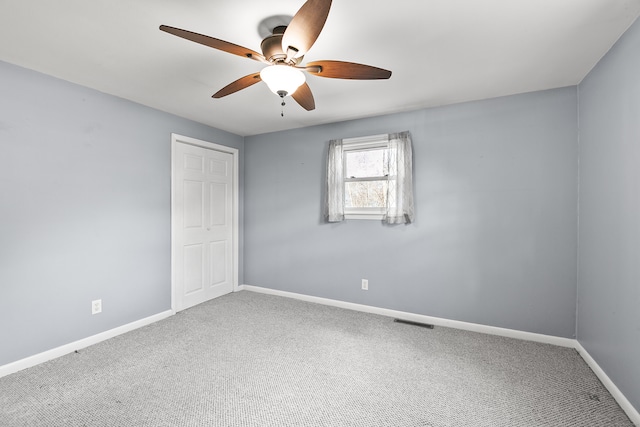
(96,306)
(365,285)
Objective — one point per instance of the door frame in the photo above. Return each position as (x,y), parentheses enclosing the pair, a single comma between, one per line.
(180,139)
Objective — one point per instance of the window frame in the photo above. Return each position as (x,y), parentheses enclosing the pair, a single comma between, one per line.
(365,143)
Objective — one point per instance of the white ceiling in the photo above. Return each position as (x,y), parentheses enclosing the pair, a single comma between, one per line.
(440,51)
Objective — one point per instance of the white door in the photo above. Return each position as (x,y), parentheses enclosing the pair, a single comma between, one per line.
(202,224)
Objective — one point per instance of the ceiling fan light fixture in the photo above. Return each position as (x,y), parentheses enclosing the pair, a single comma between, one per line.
(282,79)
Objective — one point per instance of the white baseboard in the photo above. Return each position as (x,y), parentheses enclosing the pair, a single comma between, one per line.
(624,403)
(473,327)
(37,359)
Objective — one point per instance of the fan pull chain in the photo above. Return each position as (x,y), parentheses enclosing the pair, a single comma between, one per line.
(282,108)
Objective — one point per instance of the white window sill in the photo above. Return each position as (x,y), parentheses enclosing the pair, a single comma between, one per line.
(375,217)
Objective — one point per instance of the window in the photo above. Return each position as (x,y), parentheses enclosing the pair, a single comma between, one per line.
(366,177)
(370,178)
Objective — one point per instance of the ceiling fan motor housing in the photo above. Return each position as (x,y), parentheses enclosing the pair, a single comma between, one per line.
(272,47)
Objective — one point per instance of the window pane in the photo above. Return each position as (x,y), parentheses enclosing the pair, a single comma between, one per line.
(365,163)
(365,194)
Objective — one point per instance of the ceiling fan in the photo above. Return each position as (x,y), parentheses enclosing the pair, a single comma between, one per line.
(283,51)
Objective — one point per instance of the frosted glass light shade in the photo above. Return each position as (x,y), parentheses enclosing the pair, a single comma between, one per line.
(282,80)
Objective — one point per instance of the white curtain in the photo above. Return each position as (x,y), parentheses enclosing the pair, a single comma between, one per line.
(400,191)
(334,205)
(399,209)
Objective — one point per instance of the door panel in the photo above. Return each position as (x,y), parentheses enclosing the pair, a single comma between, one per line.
(193,162)
(193,265)
(193,201)
(217,167)
(218,251)
(217,209)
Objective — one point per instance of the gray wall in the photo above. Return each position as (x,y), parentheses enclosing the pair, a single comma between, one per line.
(609,251)
(84,210)
(494,241)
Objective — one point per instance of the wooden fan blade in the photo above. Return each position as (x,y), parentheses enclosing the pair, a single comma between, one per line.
(214,43)
(304,97)
(346,70)
(305,27)
(241,83)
